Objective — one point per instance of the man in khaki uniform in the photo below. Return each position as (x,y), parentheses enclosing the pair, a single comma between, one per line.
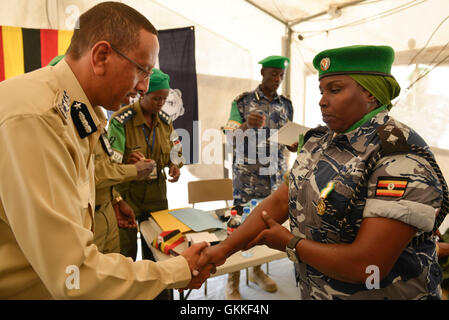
(111,211)
(49,125)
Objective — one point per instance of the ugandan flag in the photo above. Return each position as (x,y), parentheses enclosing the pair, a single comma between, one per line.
(168,240)
(391,186)
(24,50)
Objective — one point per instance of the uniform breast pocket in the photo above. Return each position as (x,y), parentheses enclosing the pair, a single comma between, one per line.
(165,148)
(87,203)
(84,194)
(283,119)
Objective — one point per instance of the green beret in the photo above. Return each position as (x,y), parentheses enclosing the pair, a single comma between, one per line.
(158,81)
(279,62)
(360,59)
(56,59)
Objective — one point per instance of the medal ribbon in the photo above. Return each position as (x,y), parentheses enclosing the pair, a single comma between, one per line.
(327,190)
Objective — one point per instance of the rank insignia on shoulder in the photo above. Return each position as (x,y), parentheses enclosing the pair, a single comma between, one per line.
(165,117)
(106,144)
(241,96)
(82,119)
(391,186)
(125,116)
(62,104)
(285,98)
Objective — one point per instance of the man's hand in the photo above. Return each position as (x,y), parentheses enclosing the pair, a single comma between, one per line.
(174,173)
(144,168)
(135,157)
(125,215)
(275,236)
(255,120)
(192,255)
(293,147)
(211,256)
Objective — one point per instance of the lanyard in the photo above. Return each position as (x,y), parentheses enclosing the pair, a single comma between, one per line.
(148,139)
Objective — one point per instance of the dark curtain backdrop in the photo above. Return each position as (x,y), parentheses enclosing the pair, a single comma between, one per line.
(177,59)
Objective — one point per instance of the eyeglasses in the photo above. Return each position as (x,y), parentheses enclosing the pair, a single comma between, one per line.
(143,73)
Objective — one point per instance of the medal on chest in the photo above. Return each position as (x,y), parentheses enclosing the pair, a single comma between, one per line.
(321,206)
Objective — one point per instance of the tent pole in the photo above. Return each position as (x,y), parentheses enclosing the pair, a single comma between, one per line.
(288,54)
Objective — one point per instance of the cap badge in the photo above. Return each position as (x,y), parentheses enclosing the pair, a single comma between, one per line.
(325,63)
(286,63)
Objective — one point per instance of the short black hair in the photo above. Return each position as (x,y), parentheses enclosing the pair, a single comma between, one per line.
(115,22)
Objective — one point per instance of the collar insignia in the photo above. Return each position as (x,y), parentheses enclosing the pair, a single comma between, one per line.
(82,119)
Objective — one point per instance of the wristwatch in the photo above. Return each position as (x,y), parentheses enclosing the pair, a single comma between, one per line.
(291,249)
(116,200)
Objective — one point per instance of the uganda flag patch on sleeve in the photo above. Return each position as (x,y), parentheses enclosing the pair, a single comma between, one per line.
(391,186)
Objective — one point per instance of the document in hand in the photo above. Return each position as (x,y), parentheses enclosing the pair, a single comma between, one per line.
(289,133)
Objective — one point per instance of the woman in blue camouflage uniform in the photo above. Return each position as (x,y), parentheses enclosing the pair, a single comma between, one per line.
(364,196)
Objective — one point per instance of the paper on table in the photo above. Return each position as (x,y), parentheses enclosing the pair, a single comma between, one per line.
(289,133)
(197,220)
(198,237)
(167,222)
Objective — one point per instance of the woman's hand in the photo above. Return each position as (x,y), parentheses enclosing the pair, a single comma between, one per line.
(275,236)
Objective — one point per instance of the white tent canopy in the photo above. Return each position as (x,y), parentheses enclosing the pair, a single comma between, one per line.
(233,35)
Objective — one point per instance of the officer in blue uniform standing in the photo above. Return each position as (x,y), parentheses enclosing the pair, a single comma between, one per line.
(258,164)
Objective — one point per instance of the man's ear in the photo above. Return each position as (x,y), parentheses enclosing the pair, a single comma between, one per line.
(100,56)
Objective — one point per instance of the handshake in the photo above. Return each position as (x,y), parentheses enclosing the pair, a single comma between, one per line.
(204,259)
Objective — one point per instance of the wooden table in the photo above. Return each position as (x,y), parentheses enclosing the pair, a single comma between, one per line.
(261,254)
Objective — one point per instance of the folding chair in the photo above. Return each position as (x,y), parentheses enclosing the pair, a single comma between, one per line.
(209,190)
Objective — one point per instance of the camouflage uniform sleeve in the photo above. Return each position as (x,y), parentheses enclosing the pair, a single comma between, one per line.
(289,108)
(404,188)
(117,137)
(235,119)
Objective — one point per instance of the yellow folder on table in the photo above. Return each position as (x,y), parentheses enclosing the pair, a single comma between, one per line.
(167,222)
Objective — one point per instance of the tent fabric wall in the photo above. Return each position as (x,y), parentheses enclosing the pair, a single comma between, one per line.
(224,68)
(231,36)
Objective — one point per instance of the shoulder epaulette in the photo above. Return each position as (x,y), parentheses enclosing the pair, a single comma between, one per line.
(284,97)
(124,116)
(317,132)
(165,117)
(392,139)
(241,96)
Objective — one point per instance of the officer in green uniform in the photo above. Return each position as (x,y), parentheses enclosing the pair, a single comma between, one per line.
(143,131)
(111,211)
